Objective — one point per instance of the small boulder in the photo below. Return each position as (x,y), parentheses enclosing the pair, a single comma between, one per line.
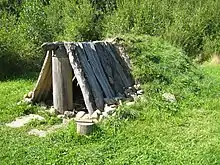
(109,110)
(60,116)
(30,94)
(101,117)
(169,97)
(95,115)
(140,92)
(105,114)
(28,100)
(37,132)
(80,114)
(69,114)
(130,103)
(86,116)
(137,86)
(95,120)
(66,121)
(98,112)
(51,110)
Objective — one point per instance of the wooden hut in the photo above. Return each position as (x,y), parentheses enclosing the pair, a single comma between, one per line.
(92,71)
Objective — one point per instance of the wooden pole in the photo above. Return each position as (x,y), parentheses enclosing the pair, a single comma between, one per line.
(62,81)
(80,76)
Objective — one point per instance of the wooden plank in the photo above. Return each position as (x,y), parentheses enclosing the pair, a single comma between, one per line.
(43,76)
(105,62)
(97,68)
(118,82)
(95,87)
(62,81)
(80,76)
(119,68)
(122,62)
(109,69)
(48,85)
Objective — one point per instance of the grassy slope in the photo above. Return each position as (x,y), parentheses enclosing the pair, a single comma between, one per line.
(151,132)
(187,137)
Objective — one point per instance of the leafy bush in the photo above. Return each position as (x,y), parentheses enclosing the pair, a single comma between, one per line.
(193,25)
(189,24)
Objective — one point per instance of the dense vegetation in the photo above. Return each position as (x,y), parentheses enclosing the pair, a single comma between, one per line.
(193,25)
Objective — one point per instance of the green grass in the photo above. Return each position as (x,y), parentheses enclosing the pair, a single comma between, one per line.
(152,131)
(148,135)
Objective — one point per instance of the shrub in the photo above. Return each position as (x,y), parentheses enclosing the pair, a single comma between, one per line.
(189,24)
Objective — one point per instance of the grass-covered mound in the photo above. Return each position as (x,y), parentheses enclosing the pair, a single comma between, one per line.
(162,68)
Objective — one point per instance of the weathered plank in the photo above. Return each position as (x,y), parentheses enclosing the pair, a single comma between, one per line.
(119,68)
(117,78)
(38,92)
(109,68)
(95,87)
(80,76)
(122,62)
(62,81)
(97,68)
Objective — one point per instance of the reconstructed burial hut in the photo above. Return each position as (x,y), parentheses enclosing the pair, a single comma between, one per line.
(81,73)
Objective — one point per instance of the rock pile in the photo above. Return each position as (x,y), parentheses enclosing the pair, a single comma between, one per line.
(131,94)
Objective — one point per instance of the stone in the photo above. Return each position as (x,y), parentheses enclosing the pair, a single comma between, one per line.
(66,121)
(135,97)
(109,110)
(86,116)
(30,94)
(140,92)
(94,115)
(130,91)
(69,114)
(137,86)
(51,110)
(101,117)
(98,112)
(19,122)
(80,114)
(130,103)
(105,114)
(95,120)
(60,116)
(55,127)
(28,100)
(169,97)
(37,132)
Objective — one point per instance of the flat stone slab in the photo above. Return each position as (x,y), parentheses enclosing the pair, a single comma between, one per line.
(21,121)
(37,132)
(44,133)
